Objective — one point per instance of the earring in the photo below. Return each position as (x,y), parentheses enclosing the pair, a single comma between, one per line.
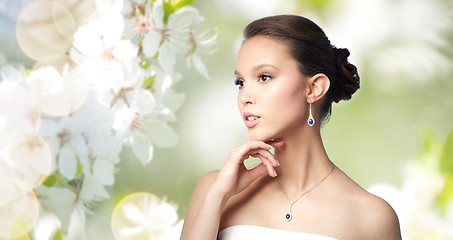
(311,120)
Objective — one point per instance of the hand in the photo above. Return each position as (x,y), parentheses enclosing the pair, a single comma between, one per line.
(234,177)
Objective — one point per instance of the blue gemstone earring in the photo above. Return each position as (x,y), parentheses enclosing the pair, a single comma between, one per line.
(311,120)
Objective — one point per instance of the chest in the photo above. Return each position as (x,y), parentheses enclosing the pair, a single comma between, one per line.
(311,213)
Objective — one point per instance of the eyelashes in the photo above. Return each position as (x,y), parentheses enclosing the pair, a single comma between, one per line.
(238,83)
(261,78)
(264,77)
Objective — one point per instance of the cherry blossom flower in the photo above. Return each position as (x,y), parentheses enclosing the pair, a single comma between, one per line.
(203,42)
(170,38)
(100,51)
(84,137)
(145,125)
(72,122)
(143,215)
(58,95)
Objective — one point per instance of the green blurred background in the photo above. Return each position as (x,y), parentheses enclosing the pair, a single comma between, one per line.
(404,52)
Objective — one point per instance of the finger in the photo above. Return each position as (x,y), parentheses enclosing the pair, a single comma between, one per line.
(243,152)
(257,145)
(268,165)
(257,171)
(275,143)
(266,154)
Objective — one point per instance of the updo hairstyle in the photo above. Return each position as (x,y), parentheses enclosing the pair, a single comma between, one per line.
(311,48)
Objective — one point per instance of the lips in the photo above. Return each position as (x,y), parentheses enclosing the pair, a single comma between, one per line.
(250,119)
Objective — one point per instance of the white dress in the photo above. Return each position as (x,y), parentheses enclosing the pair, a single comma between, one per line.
(239,232)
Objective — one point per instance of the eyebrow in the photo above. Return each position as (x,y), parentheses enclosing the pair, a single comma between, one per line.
(258,67)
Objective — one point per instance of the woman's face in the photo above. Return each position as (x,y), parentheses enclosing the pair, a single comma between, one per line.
(272,92)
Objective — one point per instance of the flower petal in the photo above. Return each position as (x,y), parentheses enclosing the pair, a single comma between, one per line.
(87,39)
(142,148)
(127,232)
(143,101)
(112,29)
(183,18)
(133,213)
(58,200)
(199,66)
(151,43)
(67,162)
(167,58)
(125,51)
(158,14)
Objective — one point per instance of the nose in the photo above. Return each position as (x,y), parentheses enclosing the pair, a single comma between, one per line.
(246,96)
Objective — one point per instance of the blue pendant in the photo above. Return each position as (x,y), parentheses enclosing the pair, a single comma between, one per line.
(288,217)
(310,121)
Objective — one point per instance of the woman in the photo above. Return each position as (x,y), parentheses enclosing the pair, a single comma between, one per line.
(288,75)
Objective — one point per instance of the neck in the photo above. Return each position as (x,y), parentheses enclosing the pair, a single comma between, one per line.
(304,161)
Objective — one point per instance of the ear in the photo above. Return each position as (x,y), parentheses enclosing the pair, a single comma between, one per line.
(318,85)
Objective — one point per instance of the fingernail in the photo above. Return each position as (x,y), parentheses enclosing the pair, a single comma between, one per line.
(278,163)
(275,173)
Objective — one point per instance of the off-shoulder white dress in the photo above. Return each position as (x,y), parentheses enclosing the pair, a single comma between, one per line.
(247,232)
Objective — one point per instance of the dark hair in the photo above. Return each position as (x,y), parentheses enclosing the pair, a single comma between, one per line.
(311,48)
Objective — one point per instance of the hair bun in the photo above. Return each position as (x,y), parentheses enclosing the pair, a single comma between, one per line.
(348,78)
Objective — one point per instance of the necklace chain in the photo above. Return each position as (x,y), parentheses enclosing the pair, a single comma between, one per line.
(288,216)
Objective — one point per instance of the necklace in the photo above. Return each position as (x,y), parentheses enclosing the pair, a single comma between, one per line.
(289,216)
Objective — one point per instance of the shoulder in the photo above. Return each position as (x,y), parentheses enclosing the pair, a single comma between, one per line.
(207,179)
(198,195)
(367,215)
(378,218)
(203,185)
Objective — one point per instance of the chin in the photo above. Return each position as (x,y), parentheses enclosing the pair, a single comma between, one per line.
(259,137)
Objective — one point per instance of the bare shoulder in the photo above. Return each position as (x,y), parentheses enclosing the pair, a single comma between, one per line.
(203,186)
(206,181)
(373,217)
(198,195)
(379,220)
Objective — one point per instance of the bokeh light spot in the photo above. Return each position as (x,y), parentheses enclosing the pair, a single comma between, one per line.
(129,216)
(32,157)
(58,60)
(58,95)
(19,216)
(44,28)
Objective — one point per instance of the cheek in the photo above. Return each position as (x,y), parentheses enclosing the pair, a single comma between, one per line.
(288,100)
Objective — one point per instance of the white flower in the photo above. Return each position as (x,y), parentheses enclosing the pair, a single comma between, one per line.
(58,95)
(103,145)
(60,201)
(19,207)
(143,131)
(167,98)
(143,123)
(143,215)
(46,227)
(104,30)
(171,38)
(102,55)
(201,42)
(29,156)
(83,137)
(18,109)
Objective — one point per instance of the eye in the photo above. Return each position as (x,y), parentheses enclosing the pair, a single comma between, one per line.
(264,77)
(239,83)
